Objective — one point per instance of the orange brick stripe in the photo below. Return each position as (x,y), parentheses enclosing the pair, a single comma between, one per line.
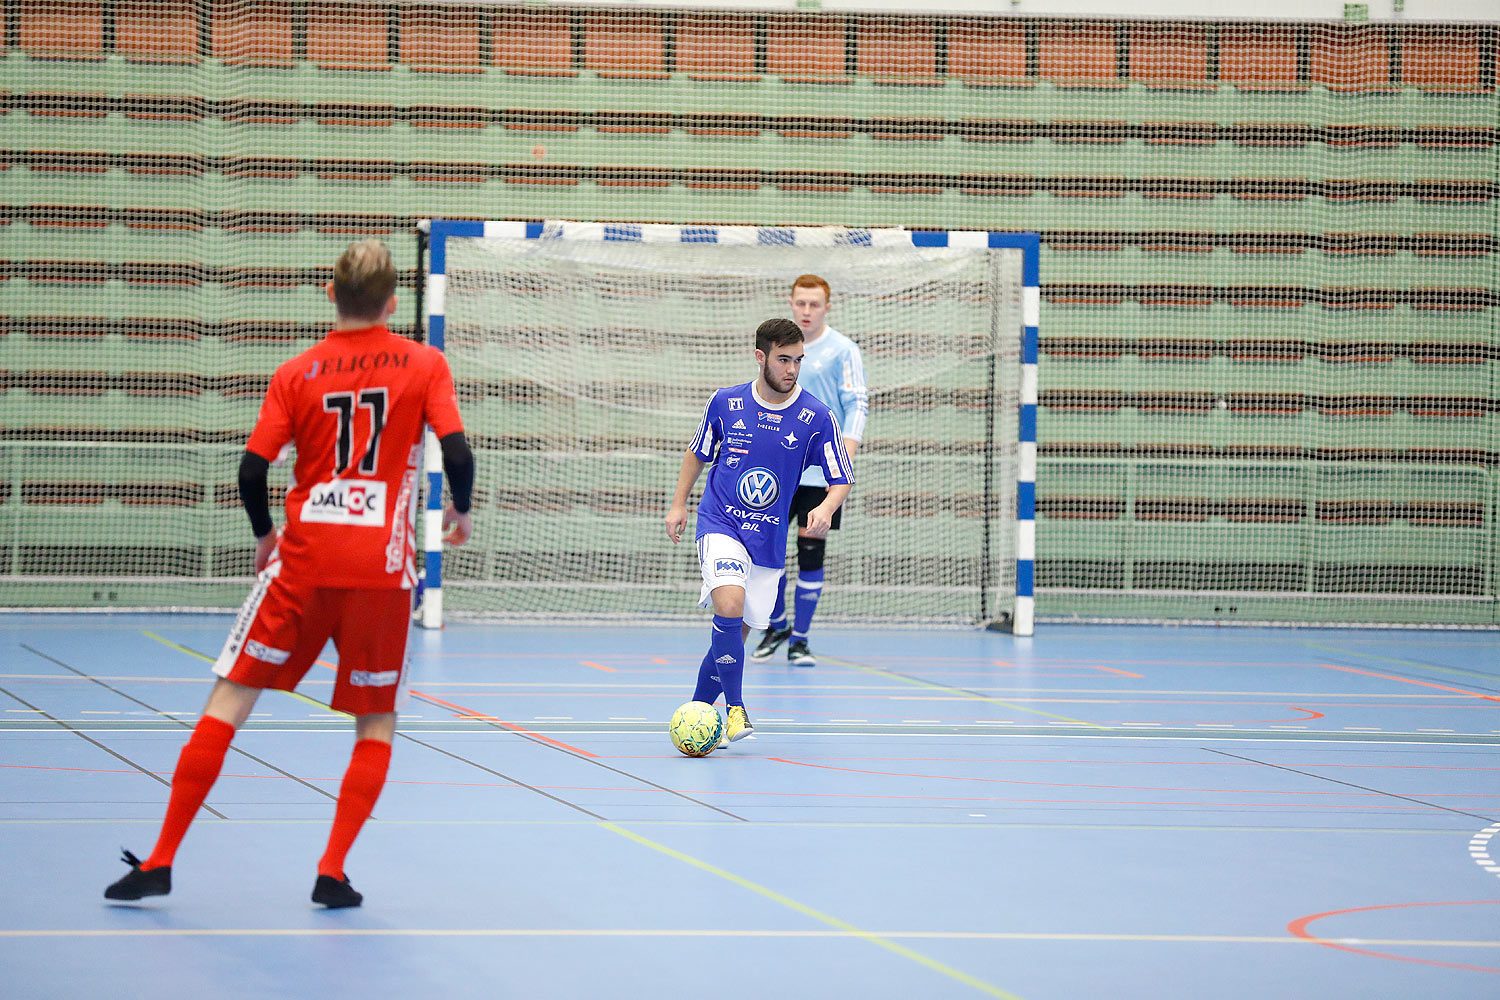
(1104,131)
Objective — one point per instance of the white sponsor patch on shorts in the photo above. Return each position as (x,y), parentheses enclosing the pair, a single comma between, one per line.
(725,563)
(242,622)
(373,678)
(346,501)
(266,654)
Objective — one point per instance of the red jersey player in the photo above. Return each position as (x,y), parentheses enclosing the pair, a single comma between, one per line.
(344,565)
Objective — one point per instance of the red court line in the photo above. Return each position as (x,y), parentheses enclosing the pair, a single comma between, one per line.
(465,713)
(1408,680)
(1299,929)
(512,655)
(276,777)
(1072,761)
(599,666)
(1331,807)
(1114,670)
(468,713)
(1118,788)
(1188,662)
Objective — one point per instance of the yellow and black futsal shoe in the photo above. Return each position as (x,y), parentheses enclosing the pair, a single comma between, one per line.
(739,723)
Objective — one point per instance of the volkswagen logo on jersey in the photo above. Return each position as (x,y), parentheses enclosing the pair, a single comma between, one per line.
(758,489)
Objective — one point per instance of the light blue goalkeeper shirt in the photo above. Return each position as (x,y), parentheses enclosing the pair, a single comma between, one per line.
(834,371)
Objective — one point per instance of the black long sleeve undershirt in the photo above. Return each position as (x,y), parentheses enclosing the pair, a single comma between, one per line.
(458,464)
(255,494)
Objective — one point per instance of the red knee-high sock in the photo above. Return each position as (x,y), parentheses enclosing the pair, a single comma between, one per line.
(197,769)
(362,784)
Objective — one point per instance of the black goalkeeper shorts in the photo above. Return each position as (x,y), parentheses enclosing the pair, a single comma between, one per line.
(808,497)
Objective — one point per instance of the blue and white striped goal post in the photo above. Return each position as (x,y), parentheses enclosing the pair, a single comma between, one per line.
(1029,244)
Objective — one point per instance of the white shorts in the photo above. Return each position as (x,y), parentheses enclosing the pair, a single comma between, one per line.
(726,564)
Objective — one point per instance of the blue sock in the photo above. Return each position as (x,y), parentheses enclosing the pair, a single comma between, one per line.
(809,589)
(727,651)
(778,613)
(709,688)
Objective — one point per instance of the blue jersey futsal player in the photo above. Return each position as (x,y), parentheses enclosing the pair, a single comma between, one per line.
(833,371)
(759,438)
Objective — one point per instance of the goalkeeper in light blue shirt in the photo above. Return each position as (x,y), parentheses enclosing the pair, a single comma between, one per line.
(834,372)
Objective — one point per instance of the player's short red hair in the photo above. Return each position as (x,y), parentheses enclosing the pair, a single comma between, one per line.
(812,281)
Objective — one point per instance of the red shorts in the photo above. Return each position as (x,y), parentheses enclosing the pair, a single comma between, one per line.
(282,627)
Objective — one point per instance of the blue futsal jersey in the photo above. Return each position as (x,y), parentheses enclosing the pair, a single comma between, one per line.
(762,449)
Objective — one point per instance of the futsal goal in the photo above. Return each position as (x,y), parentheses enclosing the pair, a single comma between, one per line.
(583,354)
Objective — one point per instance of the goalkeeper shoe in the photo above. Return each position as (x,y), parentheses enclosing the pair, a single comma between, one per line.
(798,655)
(770,642)
(739,723)
(335,893)
(138,884)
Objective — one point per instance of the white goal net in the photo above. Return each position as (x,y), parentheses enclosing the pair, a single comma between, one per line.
(584,356)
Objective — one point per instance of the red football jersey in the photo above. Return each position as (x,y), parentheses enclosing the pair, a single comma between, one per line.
(354,405)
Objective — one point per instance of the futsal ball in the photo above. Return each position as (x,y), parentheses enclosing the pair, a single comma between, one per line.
(696,728)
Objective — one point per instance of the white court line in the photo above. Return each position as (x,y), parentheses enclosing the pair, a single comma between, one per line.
(880,730)
(565,932)
(1479,849)
(991,692)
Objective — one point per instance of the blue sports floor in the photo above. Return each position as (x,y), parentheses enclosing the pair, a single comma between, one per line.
(1103,812)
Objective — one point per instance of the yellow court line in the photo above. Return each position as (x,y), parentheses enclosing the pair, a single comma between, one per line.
(1391,659)
(877,671)
(173,645)
(209,659)
(807,911)
(566,932)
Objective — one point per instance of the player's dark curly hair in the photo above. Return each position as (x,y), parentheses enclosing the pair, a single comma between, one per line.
(777,332)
